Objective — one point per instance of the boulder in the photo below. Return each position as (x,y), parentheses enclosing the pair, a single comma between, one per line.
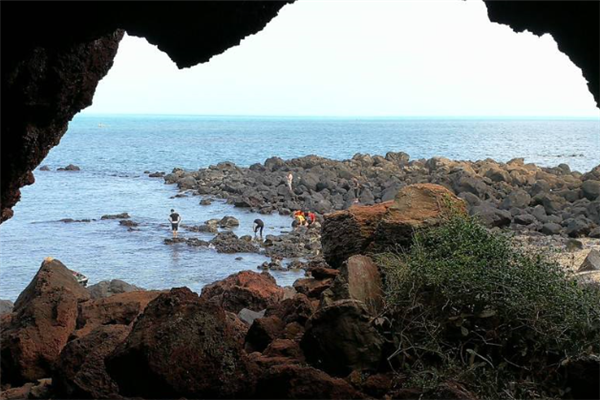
(122,308)
(228,242)
(44,168)
(69,167)
(246,289)
(591,262)
(550,228)
(116,216)
(524,219)
(359,279)
(591,189)
(490,216)
(81,372)
(228,222)
(340,338)
(45,314)
(517,198)
(262,332)
(292,381)
(181,346)
(295,309)
(104,289)
(312,287)
(361,229)
(578,227)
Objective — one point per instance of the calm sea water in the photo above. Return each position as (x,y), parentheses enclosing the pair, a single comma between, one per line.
(113,152)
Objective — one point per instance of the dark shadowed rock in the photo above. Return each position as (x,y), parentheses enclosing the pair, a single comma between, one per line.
(262,332)
(81,372)
(116,216)
(550,228)
(340,338)
(295,309)
(181,347)
(517,198)
(578,227)
(591,262)
(128,223)
(591,189)
(108,288)
(525,219)
(228,242)
(312,287)
(290,381)
(69,167)
(45,314)
(44,168)
(490,216)
(246,289)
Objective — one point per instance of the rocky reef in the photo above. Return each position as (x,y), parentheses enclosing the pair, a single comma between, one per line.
(515,194)
(243,336)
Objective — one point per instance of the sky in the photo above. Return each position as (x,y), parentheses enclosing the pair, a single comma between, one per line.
(342,58)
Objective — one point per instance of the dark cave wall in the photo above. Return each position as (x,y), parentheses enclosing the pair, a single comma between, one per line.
(574,25)
(55,53)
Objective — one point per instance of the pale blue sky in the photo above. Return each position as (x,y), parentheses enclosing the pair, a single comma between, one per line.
(358,58)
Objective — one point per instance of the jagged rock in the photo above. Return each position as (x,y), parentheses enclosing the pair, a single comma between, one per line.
(284,348)
(262,332)
(122,308)
(181,346)
(312,287)
(245,289)
(320,272)
(45,314)
(81,372)
(295,309)
(195,242)
(228,242)
(116,216)
(375,228)
(6,306)
(359,279)
(490,216)
(108,288)
(578,227)
(128,223)
(205,202)
(175,240)
(339,338)
(591,262)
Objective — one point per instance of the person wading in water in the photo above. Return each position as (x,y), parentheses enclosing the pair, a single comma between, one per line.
(174,219)
(259,225)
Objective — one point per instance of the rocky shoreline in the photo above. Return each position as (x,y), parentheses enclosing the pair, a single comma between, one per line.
(517,195)
(243,336)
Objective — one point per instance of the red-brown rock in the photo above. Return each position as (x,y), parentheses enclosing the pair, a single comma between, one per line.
(359,279)
(292,381)
(246,289)
(284,348)
(321,273)
(44,316)
(81,372)
(181,346)
(362,229)
(297,309)
(312,287)
(120,308)
(262,332)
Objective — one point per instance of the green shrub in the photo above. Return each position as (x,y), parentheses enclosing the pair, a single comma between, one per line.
(468,306)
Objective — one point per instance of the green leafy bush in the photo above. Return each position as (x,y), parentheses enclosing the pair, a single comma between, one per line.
(468,306)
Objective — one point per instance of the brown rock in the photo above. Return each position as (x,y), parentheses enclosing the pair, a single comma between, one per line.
(340,338)
(284,348)
(81,372)
(362,229)
(297,309)
(246,289)
(359,279)
(181,346)
(321,273)
(291,381)
(17,393)
(262,332)
(312,287)
(44,316)
(117,309)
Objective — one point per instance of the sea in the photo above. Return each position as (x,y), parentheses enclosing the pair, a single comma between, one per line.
(113,151)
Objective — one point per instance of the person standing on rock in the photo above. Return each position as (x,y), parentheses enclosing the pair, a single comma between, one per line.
(356,187)
(290,178)
(259,225)
(174,219)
